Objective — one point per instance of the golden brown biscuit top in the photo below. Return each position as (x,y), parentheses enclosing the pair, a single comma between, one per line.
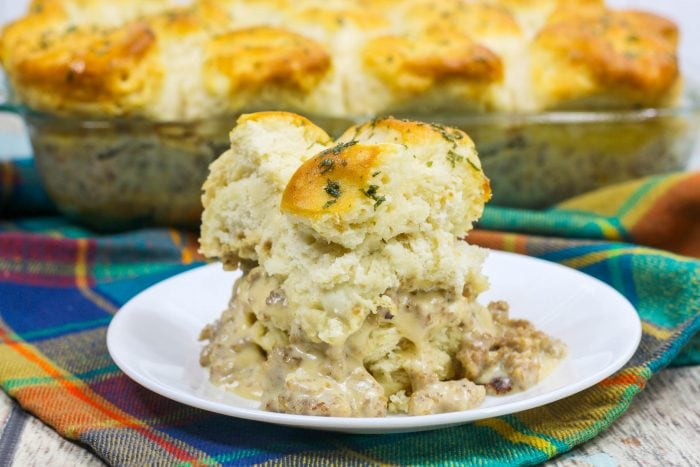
(546,5)
(254,56)
(620,48)
(407,132)
(82,64)
(334,19)
(415,64)
(343,56)
(388,177)
(334,180)
(474,19)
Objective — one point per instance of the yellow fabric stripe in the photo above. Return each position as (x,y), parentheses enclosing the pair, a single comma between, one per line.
(605,202)
(97,300)
(656,331)
(511,434)
(638,211)
(14,366)
(610,232)
(509,242)
(598,256)
(81,278)
(81,263)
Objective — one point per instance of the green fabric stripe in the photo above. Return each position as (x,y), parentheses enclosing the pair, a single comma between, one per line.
(636,197)
(579,225)
(70,327)
(14,384)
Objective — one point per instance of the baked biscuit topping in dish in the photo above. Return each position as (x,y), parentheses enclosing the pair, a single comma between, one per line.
(341,58)
(358,294)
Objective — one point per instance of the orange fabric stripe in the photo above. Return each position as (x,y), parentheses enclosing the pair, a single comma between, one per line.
(626,379)
(188,246)
(81,266)
(93,401)
(488,239)
(671,220)
(498,240)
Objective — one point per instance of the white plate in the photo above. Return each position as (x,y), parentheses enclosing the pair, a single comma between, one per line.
(153,339)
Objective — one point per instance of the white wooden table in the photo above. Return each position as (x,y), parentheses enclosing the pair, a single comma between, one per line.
(661,428)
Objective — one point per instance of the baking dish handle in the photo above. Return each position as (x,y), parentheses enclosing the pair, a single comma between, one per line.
(10,108)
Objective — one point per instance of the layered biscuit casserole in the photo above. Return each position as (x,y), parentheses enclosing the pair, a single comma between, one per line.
(358,296)
(550,90)
(337,57)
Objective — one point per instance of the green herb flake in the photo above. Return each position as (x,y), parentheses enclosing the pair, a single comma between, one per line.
(371,193)
(333,188)
(473,165)
(376,173)
(338,148)
(454,158)
(429,163)
(326,165)
(446,134)
(329,203)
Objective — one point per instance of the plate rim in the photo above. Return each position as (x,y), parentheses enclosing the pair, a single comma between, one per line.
(391,423)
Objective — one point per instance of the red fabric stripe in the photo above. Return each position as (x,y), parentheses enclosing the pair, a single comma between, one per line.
(44,261)
(37,279)
(22,246)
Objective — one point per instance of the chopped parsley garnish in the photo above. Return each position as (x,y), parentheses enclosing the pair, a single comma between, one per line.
(429,163)
(338,148)
(453,157)
(326,165)
(473,165)
(376,173)
(329,203)
(371,193)
(446,134)
(333,188)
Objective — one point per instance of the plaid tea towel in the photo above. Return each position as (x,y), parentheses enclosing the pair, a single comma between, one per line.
(60,285)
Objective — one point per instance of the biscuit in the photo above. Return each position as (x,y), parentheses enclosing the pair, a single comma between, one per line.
(337,59)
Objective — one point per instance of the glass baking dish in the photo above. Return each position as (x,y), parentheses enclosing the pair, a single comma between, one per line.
(117,174)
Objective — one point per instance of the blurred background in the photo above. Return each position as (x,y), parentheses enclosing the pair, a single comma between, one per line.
(684,12)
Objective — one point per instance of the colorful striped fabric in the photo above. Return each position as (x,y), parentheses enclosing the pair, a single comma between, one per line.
(60,285)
